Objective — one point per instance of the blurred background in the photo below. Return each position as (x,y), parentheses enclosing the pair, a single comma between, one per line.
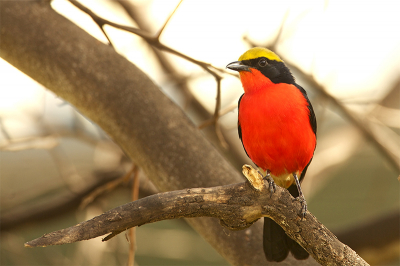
(58,169)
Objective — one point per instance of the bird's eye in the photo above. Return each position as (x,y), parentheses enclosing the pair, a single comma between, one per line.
(263,62)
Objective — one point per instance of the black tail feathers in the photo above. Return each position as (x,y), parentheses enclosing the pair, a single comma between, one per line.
(277,244)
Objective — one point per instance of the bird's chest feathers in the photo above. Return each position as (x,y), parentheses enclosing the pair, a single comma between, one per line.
(276,109)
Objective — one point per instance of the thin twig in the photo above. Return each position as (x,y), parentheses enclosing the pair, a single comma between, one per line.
(105,34)
(166,22)
(106,188)
(217,115)
(222,112)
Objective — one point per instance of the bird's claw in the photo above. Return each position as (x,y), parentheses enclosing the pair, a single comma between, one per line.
(303,203)
(271,184)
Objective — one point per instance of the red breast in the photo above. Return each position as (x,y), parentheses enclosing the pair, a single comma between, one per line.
(274,120)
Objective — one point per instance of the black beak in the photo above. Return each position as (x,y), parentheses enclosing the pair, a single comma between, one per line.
(238,66)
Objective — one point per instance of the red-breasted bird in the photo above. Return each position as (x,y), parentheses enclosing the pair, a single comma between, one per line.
(277,127)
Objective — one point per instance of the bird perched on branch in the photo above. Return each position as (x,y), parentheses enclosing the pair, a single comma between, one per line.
(277,127)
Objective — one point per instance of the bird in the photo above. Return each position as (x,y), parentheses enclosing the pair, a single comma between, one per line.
(277,127)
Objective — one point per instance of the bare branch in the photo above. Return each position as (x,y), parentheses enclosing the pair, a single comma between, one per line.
(237,207)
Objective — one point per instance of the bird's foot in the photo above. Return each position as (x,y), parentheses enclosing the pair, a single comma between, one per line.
(303,203)
(270,180)
(271,183)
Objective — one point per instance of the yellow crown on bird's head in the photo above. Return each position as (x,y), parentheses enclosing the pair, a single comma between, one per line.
(257,52)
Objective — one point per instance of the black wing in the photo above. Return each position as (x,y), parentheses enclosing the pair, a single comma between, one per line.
(313,120)
(313,123)
(239,127)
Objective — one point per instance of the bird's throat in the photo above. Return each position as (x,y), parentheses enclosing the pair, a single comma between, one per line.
(254,81)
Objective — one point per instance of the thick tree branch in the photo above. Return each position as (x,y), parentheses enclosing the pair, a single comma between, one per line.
(237,207)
